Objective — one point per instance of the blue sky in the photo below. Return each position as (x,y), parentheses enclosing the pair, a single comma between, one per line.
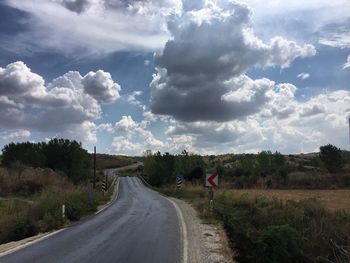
(206,76)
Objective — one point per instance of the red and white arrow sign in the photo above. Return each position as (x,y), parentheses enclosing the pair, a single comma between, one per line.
(212,180)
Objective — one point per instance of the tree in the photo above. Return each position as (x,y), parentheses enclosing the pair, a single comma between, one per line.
(265,162)
(159,168)
(191,166)
(58,154)
(331,157)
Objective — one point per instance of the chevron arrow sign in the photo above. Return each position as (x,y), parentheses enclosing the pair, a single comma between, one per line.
(212,180)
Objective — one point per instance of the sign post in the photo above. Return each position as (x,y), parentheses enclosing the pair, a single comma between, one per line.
(211,180)
(94,180)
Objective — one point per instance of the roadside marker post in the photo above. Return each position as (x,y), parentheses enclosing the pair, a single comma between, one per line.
(179,178)
(63,211)
(104,187)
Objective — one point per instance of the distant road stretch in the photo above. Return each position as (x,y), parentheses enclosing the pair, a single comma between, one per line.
(140,226)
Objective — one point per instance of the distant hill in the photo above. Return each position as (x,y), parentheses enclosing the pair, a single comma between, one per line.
(104,161)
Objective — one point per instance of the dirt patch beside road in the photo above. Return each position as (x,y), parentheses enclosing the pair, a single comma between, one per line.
(206,243)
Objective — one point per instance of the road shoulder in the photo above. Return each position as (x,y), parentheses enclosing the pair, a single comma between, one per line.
(206,243)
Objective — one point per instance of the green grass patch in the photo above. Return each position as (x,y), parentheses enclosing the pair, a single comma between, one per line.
(21,218)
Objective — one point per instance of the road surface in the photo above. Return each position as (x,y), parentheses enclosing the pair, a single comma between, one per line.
(140,226)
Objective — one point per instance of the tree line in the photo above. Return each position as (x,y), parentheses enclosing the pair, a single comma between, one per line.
(58,154)
(161,169)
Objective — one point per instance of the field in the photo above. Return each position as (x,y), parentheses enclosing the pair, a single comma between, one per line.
(332,199)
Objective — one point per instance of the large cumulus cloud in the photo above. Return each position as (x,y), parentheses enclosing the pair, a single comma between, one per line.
(285,124)
(201,69)
(67,104)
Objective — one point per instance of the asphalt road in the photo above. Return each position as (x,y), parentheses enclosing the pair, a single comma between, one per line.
(140,226)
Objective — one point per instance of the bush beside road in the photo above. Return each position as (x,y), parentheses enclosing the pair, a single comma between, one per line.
(22,217)
(271,229)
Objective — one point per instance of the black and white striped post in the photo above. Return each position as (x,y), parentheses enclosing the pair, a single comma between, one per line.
(178,181)
(104,186)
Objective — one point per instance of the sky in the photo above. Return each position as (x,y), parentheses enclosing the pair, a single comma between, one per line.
(211,77)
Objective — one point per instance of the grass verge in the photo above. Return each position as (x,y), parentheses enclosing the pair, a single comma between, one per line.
(272,230)
(19,219)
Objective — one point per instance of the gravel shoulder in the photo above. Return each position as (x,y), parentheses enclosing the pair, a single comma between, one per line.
(206,243)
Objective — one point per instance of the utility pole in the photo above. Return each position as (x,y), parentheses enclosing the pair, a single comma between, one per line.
(349,133)
(94,180)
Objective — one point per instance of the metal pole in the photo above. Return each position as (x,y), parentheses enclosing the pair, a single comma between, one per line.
(106,182)
(94,182)
(211,200)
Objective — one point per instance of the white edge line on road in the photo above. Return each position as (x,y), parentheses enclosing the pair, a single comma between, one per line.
(182,224)
(30,242)
(184,230)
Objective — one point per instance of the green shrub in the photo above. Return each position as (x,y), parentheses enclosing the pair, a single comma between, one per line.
(331,156)
(77,205)
(263,230)
(17,227)
(279,244)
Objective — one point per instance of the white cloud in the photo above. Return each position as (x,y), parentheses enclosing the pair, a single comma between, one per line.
(303,75)
(133,137)
(347,64)
(121,145)
(126,124)
(132,98)
(101,86)
(201,69)
(18,80)
(108,127)
(178,143)
(340,40)
(94,27)
(320,120)
(85,132)
(15,135)
(66,106)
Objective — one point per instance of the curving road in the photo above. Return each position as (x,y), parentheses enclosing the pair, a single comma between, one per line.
(140,226)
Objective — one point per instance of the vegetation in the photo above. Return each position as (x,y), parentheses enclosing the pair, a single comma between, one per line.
(265,230)
(105,161)
(58,154)
(23,219)
(25,212)
(161,169)
(273,230)
(331,156)
(38,178)
(327,170)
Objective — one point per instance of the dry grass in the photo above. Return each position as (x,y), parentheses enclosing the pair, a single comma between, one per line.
(332,199)
(30,180)
(338,199)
